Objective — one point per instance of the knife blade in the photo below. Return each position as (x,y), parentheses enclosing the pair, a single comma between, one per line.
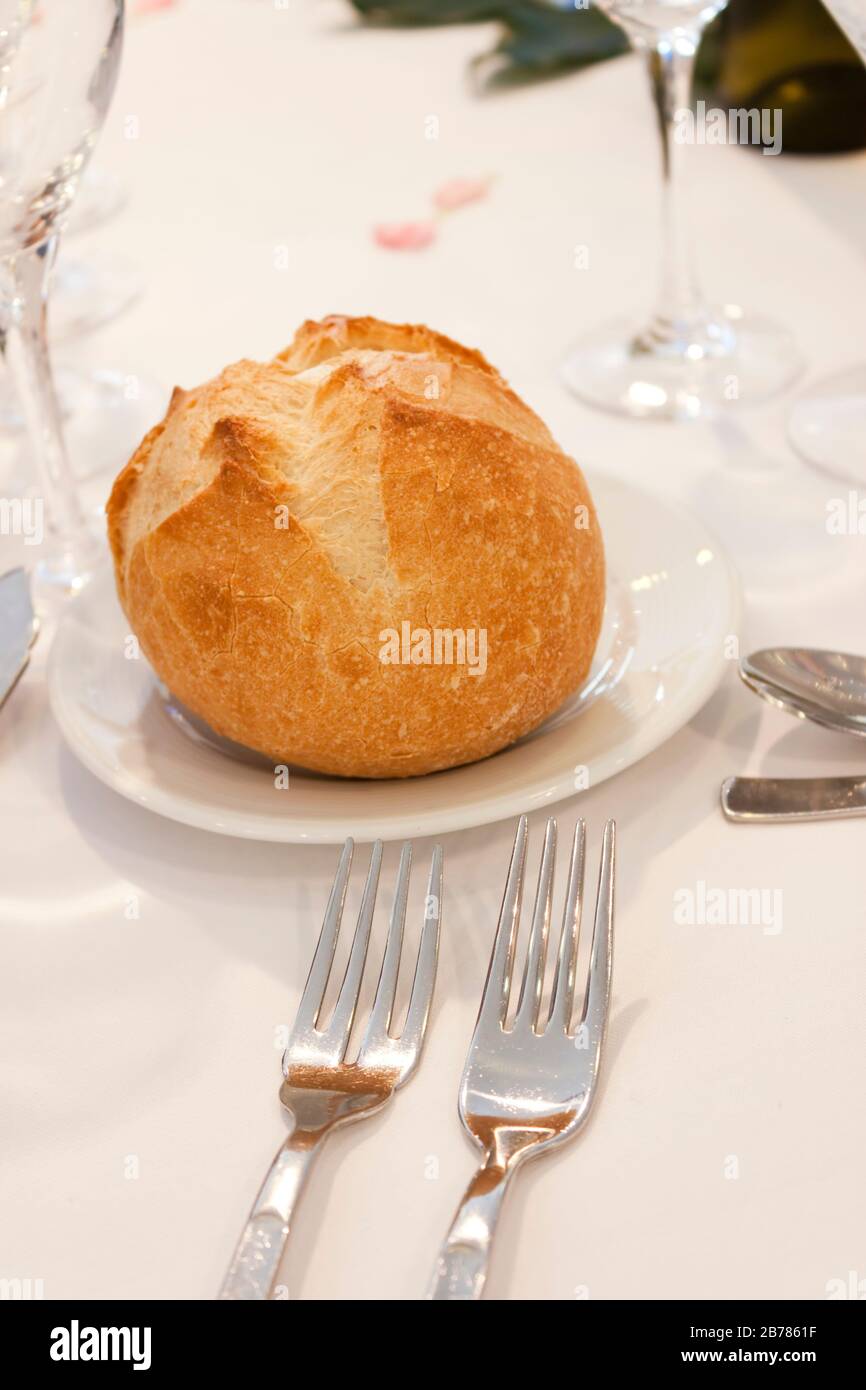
(19,628)
(793,798)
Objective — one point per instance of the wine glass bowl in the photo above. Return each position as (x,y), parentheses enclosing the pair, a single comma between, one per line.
(52,108)
(644,20)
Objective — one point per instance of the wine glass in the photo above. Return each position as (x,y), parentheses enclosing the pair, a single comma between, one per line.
(85,294)
(689,359)
(58,68)
(827,426)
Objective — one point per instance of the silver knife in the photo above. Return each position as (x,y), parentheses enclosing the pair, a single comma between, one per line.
(19,627)
(793,798)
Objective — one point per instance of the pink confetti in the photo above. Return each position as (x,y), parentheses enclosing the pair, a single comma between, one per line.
(458,192)
(404,236)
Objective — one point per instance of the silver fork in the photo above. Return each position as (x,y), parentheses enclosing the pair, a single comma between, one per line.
(528,1087)
(320,1090)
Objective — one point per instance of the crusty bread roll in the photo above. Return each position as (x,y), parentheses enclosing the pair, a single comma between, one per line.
(367,557)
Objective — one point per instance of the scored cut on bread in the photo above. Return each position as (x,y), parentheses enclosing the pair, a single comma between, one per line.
(287,519)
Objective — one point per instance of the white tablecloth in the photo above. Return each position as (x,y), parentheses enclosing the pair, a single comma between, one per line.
(146,967)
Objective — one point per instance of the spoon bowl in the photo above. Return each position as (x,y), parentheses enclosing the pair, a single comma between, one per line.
(827,687)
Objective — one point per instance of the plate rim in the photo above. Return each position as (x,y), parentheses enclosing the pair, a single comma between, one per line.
(486,810)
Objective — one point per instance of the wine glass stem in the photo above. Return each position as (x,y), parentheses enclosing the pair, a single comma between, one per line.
(24,280)
(671,66)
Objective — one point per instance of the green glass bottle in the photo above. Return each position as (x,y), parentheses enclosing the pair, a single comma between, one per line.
(792,56)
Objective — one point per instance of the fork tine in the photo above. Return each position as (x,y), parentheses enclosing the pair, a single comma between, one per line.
(562,994)
(317,980)
(497,986)
(418,1012)
(601,959)
(529,1004)
(386,990)
(340,1026)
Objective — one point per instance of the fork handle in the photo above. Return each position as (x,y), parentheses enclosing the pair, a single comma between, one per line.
(253,1270)
(461,1266)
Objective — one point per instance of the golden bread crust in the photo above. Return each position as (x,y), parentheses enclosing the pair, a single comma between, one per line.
(287,515)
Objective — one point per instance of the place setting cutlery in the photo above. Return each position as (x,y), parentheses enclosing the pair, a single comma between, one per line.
(828,688)
(320,1089)
(528,1085)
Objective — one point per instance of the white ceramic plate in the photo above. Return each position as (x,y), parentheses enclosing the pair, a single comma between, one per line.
(672,601)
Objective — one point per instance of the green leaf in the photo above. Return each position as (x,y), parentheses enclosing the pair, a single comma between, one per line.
(538,39)
(541,40)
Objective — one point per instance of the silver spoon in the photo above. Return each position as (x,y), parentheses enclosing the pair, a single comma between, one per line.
(827,687)
(830,689)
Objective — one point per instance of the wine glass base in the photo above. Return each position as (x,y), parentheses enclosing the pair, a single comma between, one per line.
(106,414)
(99,440)
(692,370)
(86,294)
(827,426)
(110,415)
(59,577)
